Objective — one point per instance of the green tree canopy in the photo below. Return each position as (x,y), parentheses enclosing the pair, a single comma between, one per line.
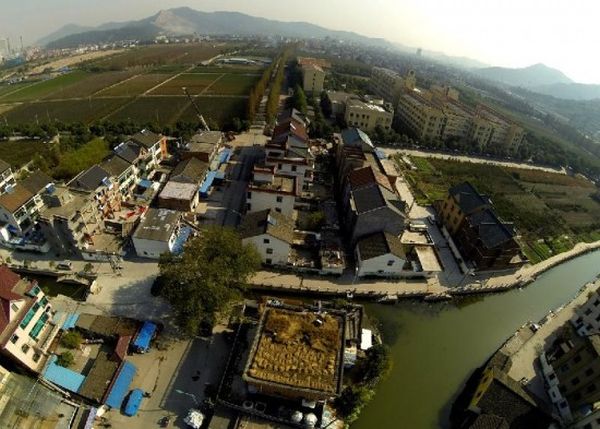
(212,271)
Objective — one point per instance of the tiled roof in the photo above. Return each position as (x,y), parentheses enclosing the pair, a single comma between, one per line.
(294,114)
(367,176)
(8,280)
(491,230)
(267,222)
(289,127)
(36,182)
(16,198)
(467,197)
(367,199)
(487,421)
(90,179)
(379,244)
(128,151)
(146,138)
(192,170)
(115,165)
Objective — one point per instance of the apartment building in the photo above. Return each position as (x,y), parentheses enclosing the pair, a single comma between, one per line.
(367,115)
(421,116)
(26,326)
(271,233)
(21,204)
(586,319)
(70,220)
(103,185)
(7,178)
(156,150)
(313,78)
(268,189)
(300,168)
(491,130)
(390,84)
(125,174)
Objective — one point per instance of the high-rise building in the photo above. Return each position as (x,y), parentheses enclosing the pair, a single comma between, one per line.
(4,48)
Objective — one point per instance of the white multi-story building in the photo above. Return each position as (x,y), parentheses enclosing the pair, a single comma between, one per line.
(367,115)
(26,326)
(157,233)
(379,254)
(270,190)
(586,319)
(313,78)
(7,178)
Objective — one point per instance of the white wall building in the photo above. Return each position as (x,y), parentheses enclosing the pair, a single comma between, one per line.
(27,329)
(586,319)
(269,190)
(271,233)
(157,233)
(380,254)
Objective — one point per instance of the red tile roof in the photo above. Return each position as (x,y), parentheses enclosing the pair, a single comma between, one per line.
(367,176)
(8,280)
(290,126)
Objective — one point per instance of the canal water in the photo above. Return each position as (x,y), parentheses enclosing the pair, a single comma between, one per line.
(436,347)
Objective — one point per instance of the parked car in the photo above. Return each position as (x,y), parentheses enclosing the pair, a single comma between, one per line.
(65,265)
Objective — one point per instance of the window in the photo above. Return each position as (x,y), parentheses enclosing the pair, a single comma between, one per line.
(597,302)
(588,312)
(30,315)
(277,209)
(294,168)
(552,376)
(268,261)
(36,357)
(589,371)
(249,195)
(266,241)
(279,199)
(25,348)
(14,338)
(14,307)
(564,368)
(269,251)
(390,263)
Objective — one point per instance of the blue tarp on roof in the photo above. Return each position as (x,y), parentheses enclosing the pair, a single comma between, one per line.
(210,177)
(145,183)
(121,386)
(182,237)
(133,403)
(63,377)
(143,338)
(70,321)
(380,154)
(220,175)
(224,156)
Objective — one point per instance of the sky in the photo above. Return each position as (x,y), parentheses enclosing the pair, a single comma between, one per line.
(513,33)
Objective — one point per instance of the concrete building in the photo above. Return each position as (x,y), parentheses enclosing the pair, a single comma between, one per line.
(26,326)
(420,116)
(7,178)
(272,234)
(103,185)
(157,233)
(300,168)
(270,190)
(313,78)
(180,196)
(124,173)
(380,254)
(70,220)
(367,115)
(390,85)
(203,145)
(586,319)
(190,170)
(156,150)
(20,206)
(491,130)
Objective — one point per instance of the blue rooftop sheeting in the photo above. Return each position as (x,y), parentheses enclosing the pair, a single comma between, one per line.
(63,377)
(181,239)
(145,183)
(133,403)
(121,386)
(210,177)
(220,175)
(143,338)
(380,154)
(70,321)
(224,156)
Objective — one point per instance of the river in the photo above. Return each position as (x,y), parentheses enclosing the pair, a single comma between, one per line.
(436,347)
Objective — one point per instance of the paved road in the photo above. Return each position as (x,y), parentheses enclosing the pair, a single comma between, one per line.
(472,159)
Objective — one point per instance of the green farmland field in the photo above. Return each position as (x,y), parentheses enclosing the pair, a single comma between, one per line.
(195,84)
(233,84)
(135,86)
(44,88)
(19,152)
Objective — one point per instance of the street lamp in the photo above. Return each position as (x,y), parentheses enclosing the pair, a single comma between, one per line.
(191,395)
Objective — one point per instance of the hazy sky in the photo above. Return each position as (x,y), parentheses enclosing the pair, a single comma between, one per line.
(560,33)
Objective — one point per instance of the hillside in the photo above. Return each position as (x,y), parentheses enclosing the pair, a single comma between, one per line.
(181,21)
(569,91)
(532,76)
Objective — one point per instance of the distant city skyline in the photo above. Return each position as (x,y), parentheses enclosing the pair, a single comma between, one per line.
(511,33)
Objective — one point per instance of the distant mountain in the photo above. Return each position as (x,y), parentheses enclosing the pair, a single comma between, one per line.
(528,77)
(64,31)
(182,21)
(569,91)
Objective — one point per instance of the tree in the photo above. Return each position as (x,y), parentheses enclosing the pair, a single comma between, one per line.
(376,365)
(212,271)
(299,100)
(71,340)
(65,359)
(351,401)
(88,268)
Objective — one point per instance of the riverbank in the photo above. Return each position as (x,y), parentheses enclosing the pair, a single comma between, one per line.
(386,290)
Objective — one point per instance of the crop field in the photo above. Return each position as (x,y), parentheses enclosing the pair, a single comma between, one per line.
(44,88)
(551,211)
(143,85)
(195,84)
(233,84)
(135,86)
(19,152)
(90,84)
(66,111)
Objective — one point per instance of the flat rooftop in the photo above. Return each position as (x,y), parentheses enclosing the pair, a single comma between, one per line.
(359,104)
(157,225)
(299,349)
(279,183)
(428,259)
(178,191)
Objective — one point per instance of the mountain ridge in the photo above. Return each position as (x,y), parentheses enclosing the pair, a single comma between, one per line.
(526,77)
